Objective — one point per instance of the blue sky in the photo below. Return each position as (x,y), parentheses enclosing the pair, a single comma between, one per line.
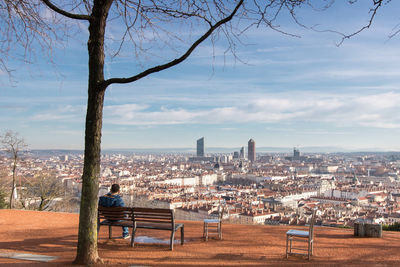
(285,91)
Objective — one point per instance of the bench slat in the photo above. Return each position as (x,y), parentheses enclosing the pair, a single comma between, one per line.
(161,216)
(157,216)
(150,210)
(152,218)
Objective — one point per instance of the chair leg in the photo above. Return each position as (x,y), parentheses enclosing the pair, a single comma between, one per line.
(312,247)
(182,235)
(289,246)
(172,239)
(206,230)
(287,243)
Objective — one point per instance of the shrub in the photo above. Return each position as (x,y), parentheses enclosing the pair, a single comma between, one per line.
(392,227)
(3,202)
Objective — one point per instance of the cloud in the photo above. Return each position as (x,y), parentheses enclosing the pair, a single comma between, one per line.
(353,73)
(377,110)
(228,129)
(66,113)
(69,132)
(381,124)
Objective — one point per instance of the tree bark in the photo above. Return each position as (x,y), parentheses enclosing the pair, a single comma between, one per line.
(87,235)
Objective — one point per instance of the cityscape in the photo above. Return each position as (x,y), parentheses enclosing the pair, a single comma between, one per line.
(268,117)
(254,188)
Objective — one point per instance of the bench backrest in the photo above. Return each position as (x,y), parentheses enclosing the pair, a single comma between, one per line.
(115,213)
(154,216)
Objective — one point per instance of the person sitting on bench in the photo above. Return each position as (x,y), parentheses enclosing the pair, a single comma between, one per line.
(113,199)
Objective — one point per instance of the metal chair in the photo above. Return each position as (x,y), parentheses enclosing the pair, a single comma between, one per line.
(214,226)
(301,236)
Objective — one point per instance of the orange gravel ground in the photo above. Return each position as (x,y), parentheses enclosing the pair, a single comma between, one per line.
(55,234)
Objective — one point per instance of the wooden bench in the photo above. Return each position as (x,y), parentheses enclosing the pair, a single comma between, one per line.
(157,219)
(114,216)
(145,218)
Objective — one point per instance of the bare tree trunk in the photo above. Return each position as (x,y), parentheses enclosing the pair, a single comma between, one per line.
(87,236)
(41,204)
(13,186)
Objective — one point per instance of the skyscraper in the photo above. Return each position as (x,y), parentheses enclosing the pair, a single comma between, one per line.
(242,153)
(296,153)
(200,147)
(252,150)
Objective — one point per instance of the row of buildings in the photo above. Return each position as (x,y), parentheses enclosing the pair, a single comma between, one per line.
(274,188)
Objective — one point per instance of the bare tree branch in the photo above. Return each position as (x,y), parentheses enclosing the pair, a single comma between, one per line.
(177,60)
(373,11)
(13,145)
(65,13)
(26,31)
(377,4)
(41,190)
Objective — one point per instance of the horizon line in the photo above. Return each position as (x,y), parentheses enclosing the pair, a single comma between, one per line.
(280,149)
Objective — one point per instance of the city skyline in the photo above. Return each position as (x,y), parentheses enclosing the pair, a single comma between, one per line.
(290,91)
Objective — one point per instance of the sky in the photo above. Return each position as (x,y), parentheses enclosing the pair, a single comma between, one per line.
(280,90)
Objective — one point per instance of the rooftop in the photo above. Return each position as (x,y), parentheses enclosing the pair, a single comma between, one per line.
(55,234)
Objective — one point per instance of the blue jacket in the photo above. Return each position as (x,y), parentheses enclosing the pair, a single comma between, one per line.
(109,200)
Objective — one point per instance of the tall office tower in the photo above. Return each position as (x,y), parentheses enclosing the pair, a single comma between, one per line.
(252,150)
(200,147)
(242,152)
(296,153)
